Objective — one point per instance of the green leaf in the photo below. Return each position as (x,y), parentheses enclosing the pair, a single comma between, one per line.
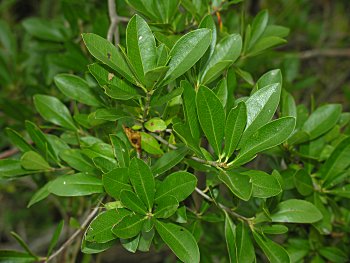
(39,195)
(273,251)
(184,132)
(131,201)
(45,29)
(186,52)
(165,206)
(244,244)
(120,151)
(166,9)
(288,107)
(228,49)
(76,185)
(296,211)
(16,257)
(18,140)
(100,229)
(235,124)
(268,136)
(75,159)
(239,184)
(103,164)
(215,71)
(258,27)
(208,22)
(180,241)
(12,168)
(108,54)
(146,240)
(53,110)
(55,237)
(261,107)
(141,46)
(274,229)
(168,160)
(270,77)
(142,180)
(76,88)
(33,161)
(153,77)
(336,163)
(150,144)
(342,191)
(131,244)
(230,236)
(265,43)
(334,254)
(129,226)
(179,184)
(22,243)
(322,120)
(116,181)
(155,125)
(189,107)
(211,115)
(221,91)
(110,114)
(303,182)
(114,86)
(161,100)
(264,184)
(95,248)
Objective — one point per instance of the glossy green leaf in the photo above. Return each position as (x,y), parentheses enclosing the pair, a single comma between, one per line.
(235,124)
(150,144)
(258,27)
(53,110)
(95,248)
(184,132)
(273,251)
(55,237)
(239,184)
(215,71)
(155,125)
(131,201)
(270,135)
(33,161)
(228,49)
(336,163)
(114,86)
(120,151)
(110,114)
(261,106)
(189,107)
(146,239)
(169,160)
(76,185)
(75,159)
(322,120)
(104,164)
(165,206)
(264,184)
(166,9)
(270,77)
(129,226)
(244,244)
(180,241)
(76,88)
(296,211)
(16,257)
(288,107)
(142,181)
(179,184)
(108,54)
(141,46)
(208,22)
(221,91)
(153,77)
(211,115)
(186,52)
(131,244)
(161,100)
(17,140)
(303,182)
(116,181)
(100,229)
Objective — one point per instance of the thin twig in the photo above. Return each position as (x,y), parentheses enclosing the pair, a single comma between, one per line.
(324,53)
(8,153)
(78,232)
(113,29)
(223,207)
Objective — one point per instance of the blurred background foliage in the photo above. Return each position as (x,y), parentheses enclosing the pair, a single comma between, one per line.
(39,39)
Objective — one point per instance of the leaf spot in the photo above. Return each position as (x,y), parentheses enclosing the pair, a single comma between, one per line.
(109,55)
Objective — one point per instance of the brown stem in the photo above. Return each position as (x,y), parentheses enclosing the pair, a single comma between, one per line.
(324,53)
(113,30)
(8,153)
